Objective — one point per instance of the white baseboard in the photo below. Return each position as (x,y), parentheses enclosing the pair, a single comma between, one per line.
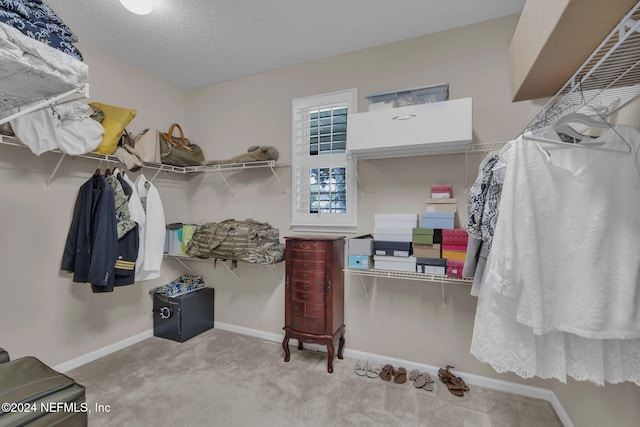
(520,389)
(509,387)
(89,357)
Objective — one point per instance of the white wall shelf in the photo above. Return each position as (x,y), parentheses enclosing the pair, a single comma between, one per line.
(407,275)
(183,259)
(219,169)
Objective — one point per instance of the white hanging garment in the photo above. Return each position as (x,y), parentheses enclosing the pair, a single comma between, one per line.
(561,294)
(152,232)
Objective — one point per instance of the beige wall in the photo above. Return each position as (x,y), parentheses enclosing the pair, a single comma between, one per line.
(41,311)
(58,320)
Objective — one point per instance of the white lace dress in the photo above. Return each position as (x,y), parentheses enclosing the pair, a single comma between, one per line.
(561,294)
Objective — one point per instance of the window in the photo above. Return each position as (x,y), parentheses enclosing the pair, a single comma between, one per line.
(324,185)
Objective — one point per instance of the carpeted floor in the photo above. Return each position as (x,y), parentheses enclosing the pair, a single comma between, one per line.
(221,378)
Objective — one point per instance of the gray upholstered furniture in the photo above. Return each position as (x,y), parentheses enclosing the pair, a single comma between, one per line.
(37,395)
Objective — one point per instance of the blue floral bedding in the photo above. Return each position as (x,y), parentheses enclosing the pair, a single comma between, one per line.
(37,20)
(181,285)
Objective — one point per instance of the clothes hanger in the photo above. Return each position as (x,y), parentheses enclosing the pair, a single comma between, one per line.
(569,134)
(590,121)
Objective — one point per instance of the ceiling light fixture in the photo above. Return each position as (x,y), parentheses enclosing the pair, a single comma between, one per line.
(139,7)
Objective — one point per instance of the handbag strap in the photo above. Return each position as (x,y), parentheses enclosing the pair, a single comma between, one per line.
(182,141)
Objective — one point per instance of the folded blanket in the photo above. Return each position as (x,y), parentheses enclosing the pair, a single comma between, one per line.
(37,20)
(181,285)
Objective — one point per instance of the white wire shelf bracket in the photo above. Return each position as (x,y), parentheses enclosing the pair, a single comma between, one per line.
(607,81)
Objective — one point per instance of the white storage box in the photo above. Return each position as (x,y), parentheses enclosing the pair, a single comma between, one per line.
(402,98)
(437,127)
(361,245)
(384,262)
(402,221)
(392,234)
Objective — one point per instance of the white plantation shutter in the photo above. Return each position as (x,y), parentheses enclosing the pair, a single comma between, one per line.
(324,184)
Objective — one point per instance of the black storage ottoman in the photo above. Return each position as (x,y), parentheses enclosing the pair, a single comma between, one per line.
(181,317)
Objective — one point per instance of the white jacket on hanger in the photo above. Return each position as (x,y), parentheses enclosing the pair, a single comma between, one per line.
(152,231)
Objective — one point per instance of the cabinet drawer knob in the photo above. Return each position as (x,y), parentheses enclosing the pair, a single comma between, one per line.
(305,276)
(314,311)
(306,254)
(305,265)
(305,286)
(305,297)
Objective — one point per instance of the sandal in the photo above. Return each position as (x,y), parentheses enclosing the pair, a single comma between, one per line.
(360,370)
(386,373)
(456,385)
(421,380)
(400,376)
(455,389)
(372,371)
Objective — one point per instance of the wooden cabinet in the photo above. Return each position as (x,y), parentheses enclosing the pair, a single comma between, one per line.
(314,293)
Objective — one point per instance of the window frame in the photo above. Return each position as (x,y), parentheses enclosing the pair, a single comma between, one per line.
(301,160)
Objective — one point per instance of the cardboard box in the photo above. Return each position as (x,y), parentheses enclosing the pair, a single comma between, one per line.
(396,220)
(394,263)
(431,269)
(431,265)
(392,234)
(454,268)
(361,245)
(426,251)
(423,236)
(459,248)
(454,255)
(442,205)
(455,237)
(360,262)
(442,220)
(441,191)
(438,262)
(432,201)
(390,248)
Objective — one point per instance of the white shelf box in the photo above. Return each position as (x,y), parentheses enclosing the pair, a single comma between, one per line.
(423,129)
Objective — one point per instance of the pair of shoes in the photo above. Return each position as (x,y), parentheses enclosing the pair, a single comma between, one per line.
(421,380)
(360,368)
(367,369)
(399,375)
(456,385)
(386,373)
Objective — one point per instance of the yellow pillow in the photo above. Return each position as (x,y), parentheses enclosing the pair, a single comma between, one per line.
(114,122)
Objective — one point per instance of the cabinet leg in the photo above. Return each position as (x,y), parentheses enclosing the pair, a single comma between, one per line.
(341,345)
(285,346)
(331,353)
(299,344)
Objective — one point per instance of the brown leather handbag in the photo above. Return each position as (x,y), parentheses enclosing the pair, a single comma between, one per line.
(178,150)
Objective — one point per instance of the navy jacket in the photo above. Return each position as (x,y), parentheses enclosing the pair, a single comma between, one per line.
(92,243)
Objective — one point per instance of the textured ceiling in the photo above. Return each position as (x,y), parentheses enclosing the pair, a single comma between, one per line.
(194,43)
